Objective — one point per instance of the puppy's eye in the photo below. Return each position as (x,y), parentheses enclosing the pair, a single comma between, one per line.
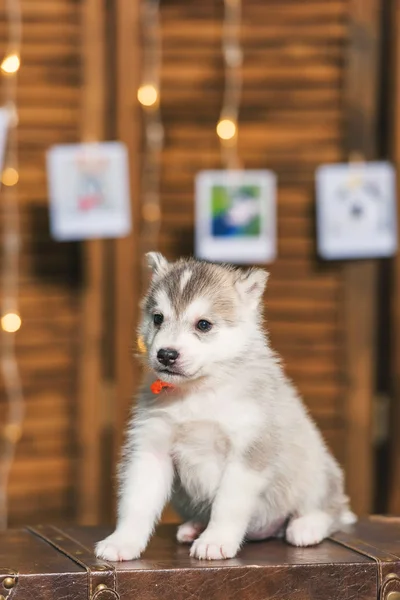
(158,318)
(203,325)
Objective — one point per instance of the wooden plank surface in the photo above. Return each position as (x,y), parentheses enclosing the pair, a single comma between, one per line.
(360,277)
(127,259)
(394,475)
(43,482)
(92,317)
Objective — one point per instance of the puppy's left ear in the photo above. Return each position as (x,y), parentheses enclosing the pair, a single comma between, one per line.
(157,263)
(251,285)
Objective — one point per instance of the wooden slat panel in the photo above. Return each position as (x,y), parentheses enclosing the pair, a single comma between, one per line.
(361,277)
(43,480)
(394,475)
(127,259)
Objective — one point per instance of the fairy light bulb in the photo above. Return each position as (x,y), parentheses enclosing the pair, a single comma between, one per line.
(151,212)
(147,95)
(141,345)
(226,129)
(10,64)
(9,176)
(10,322)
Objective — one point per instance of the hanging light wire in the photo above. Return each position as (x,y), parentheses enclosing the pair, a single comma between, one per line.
(149,97)
(11,429)
(227,126)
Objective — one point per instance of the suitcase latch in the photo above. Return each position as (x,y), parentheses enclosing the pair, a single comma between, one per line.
(391,588)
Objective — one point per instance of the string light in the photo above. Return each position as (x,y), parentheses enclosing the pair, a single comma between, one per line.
(149,97)
(141,345)
(10,64)
(11,429)
(9,176)
(227,127)
(11,322)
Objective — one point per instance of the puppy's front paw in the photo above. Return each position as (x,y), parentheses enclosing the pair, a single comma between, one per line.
(118,547)
(213,547)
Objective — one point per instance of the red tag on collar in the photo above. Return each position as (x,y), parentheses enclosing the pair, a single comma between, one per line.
(159,385)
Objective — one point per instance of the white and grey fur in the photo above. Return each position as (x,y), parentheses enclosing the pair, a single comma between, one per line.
(232,445)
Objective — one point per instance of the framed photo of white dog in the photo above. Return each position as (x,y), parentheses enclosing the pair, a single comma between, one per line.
(218,429)
(236,216)
(356,210)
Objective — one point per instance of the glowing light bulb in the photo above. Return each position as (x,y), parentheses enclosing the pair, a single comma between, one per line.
(10,322)
(9,176)
(13,432)
(10,64)
(226,129)
(147,95)
(141,345)
(151,212)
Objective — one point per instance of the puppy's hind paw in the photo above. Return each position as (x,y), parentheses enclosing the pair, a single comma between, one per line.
(309,530)
(188,532)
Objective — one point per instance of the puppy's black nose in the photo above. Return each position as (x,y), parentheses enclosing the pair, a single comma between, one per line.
(167,356)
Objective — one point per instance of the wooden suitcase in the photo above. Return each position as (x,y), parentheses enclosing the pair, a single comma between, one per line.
(49,563)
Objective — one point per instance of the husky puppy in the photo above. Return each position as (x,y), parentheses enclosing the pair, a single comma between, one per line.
(227,437)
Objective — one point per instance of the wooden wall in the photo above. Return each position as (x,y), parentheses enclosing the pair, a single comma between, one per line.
(43,478)
(394,461)
(293,117)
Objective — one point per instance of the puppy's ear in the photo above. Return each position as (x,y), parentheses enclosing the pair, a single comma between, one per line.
(251,285)
(157,263)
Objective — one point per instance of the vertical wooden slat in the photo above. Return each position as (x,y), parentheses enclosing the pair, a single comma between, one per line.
(127,260)
(394,482)
(93,117)
(360,277)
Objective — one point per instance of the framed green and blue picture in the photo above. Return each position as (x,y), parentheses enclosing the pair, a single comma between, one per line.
(236,216)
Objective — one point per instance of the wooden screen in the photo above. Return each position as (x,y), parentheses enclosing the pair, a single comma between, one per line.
(49,97)
(297,97)
(394,483)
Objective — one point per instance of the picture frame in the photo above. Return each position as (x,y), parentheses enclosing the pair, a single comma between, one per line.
(356,210)
(236,216)
(89,191)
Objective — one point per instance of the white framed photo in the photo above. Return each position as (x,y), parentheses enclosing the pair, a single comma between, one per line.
(236,216)
(356,210)
(89,191)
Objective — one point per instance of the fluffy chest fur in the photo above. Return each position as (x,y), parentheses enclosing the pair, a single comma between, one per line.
(207,430)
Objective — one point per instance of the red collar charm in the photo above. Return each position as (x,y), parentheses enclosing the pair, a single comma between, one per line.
(159,385)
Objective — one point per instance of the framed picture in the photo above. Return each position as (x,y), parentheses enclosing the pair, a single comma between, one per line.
(236,216)
(89,191)
(356,210)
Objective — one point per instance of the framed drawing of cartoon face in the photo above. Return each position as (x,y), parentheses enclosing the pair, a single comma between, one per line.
(89,191)
(236,216)
(356,210)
